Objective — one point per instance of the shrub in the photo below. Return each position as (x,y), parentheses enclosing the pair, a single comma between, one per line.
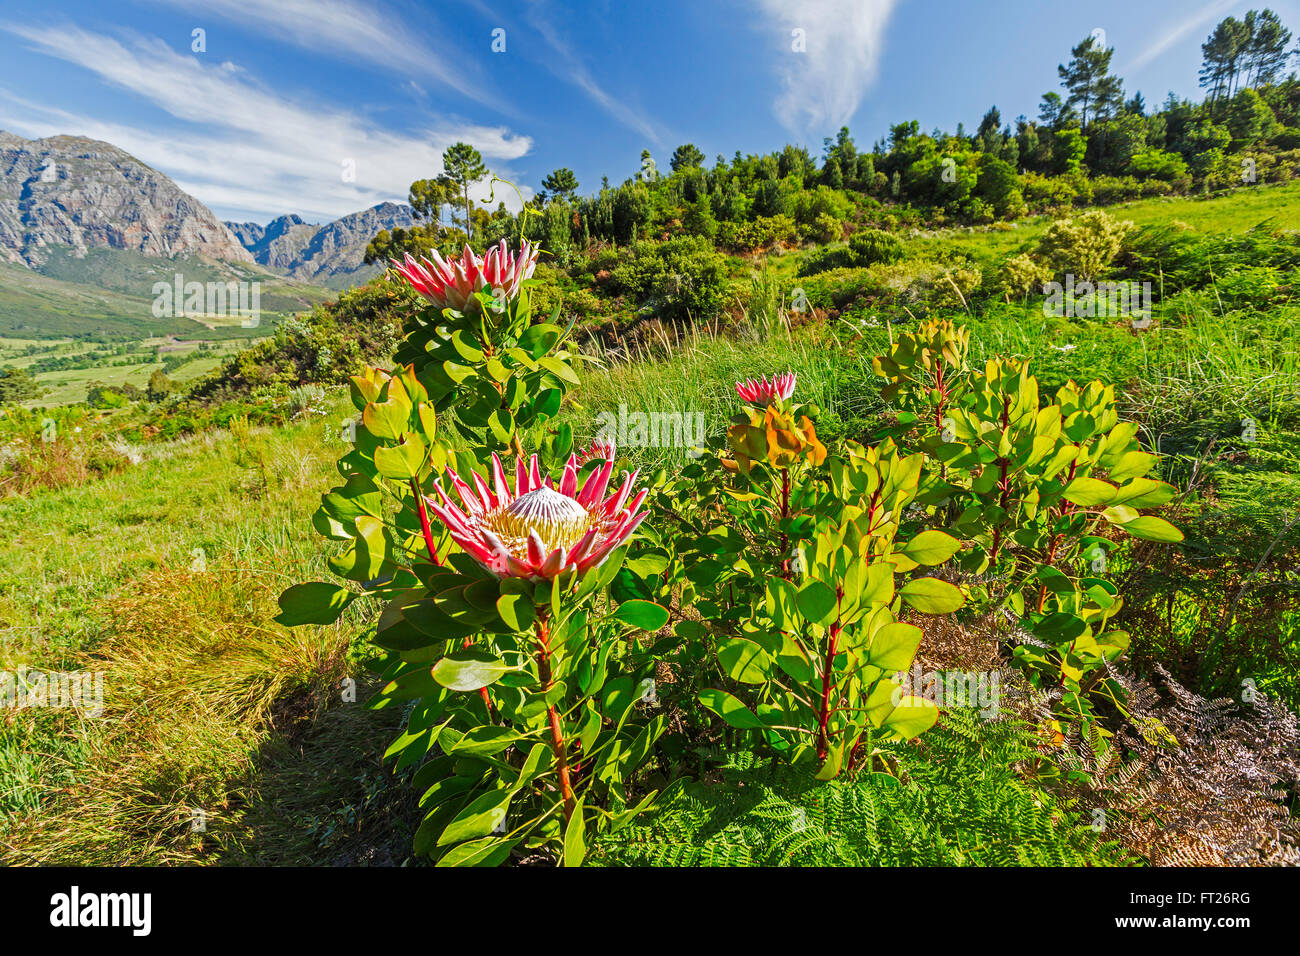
(1021,275)
(764,231)
(1085,245)
(529,638)
(680,278)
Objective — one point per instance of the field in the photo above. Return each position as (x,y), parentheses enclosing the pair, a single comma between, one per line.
(228,739)
(93,315)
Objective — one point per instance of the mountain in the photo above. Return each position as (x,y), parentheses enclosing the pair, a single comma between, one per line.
(70,192)
(330,254)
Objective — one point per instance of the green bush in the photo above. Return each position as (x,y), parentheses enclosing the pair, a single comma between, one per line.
(961,805)
(680,278)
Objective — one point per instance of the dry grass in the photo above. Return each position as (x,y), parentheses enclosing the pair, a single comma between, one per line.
(193,685)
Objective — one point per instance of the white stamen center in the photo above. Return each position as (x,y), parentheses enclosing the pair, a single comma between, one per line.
(558,520)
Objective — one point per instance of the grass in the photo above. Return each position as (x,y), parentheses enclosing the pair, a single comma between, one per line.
(165,578)
(1236,211)
(698,377)
(164,575)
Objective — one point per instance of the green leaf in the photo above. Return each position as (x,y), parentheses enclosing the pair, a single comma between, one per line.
(469,670)
(1145,493)
(502,425)
(731,710)
(1151,528)
(401,461)
(540,338)
(1087,492)
(932,547)
(517,610)
(744,661)
(817,602)
(485,851)
(912,717)
(314,603)
(894,646)
(485,741)
(643,614)
(931,596)
(466,347)
(483,815)
(388,419)
(575,838)
(560,369)
(547,402)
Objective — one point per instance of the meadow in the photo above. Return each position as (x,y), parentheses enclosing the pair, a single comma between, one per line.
(227,738)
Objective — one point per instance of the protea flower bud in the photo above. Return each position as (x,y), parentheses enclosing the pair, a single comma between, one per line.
(761,392)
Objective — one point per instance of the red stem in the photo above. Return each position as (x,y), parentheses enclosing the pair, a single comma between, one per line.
(552,715)
(828,682)
(1003,485)
(424,523)
(943,394)
(1065,508)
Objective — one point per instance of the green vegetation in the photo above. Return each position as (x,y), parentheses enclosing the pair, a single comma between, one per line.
(152,528)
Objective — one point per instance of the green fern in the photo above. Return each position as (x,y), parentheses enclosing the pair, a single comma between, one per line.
(960,802)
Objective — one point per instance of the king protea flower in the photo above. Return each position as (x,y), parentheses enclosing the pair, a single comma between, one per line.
(762,392)
(602,448)
(539,530)
(453,284)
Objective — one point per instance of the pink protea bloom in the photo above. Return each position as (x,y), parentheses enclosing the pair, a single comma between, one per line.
(539,530)
(602,448)
(452,284)
(762,392)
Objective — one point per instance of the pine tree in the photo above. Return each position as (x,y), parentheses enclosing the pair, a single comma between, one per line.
(562,184)
(463,166)
(1222,55)
(686,156)
(1091,86)
(1267,51)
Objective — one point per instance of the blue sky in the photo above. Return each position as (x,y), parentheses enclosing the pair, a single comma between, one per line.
(324,107)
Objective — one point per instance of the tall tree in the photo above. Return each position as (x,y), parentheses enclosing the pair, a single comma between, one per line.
(686,156)
(1055,113)
(1267,51)
(1089,82)
(428,196)
(463,167)
(561,183)
(1222,55)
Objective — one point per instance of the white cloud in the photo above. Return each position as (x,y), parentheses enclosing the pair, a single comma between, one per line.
(823,85)
(566,64)
(359,30)
(1183,25)
(242,148)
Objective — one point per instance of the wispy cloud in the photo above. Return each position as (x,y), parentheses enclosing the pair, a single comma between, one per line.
(841,40)
(246,149)
(1180,26)
(358,30)
(567,65)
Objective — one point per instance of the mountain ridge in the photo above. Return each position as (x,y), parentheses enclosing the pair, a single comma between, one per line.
(81,193)
(321,251)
